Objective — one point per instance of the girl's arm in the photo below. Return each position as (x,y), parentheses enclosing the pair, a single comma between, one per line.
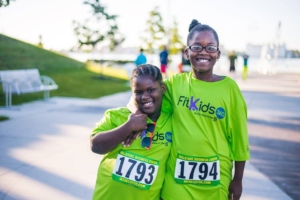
(235,187)
(105,141)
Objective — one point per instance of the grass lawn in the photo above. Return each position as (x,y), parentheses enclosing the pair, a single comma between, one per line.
(73,77)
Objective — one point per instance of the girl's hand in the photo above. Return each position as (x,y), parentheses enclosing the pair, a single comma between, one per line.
(134,135)
(235,190)
(138,122)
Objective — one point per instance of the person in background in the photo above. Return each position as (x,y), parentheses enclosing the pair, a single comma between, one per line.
(232,58)
(186,64)
(245,68)
(163,57)
(137,171)
(141,58)
(180,65)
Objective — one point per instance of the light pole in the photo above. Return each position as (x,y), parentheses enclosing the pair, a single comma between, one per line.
(277,43)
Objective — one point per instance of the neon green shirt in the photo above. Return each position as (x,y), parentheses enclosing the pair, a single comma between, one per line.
(133,172)
(210,131)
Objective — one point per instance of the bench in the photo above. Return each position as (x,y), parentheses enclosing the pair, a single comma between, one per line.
(25,81)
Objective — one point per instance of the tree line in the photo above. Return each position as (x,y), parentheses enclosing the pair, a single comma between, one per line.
(101,27)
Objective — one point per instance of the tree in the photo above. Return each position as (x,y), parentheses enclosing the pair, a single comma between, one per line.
(154,36)
(100,27)
(4,3)
(175,41)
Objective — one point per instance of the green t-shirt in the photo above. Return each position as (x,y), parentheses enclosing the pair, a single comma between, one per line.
(210,131)
(133,172)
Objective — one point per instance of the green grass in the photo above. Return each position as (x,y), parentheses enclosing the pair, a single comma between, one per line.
(72,77)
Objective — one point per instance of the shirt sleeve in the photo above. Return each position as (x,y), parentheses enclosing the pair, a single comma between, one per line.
(104,124)
(238,135)
(167,98)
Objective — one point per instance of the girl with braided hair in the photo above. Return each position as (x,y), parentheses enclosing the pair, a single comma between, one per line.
(136,171)
(209,121)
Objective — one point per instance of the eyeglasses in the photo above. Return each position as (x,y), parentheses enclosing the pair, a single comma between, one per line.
(146,141)
(208,49)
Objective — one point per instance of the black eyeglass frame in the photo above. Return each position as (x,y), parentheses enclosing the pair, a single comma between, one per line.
(189,47)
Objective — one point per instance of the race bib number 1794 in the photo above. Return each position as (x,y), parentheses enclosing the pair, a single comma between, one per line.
(135,170)
(197,170)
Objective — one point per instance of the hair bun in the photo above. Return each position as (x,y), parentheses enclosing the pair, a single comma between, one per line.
(193,24)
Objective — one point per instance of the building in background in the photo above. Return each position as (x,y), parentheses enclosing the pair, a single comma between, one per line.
(269,49)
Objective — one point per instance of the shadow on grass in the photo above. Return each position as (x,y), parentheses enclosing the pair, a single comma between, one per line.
(110,78)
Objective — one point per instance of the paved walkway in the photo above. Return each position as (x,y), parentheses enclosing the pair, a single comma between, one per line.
(45,147)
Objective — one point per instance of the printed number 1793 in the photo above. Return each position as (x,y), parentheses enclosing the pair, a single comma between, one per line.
(135,170)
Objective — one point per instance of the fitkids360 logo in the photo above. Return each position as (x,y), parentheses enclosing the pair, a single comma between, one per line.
(200,108)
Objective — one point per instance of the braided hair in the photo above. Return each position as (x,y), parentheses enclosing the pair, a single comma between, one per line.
(195,26)
(147,69)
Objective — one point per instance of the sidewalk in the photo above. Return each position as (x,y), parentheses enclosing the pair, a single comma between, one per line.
(45,147)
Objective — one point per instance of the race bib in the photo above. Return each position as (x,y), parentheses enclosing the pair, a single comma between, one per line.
(135,170)
(197,170)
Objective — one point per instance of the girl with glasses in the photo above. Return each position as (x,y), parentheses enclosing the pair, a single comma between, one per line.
(136,171)
(209,117)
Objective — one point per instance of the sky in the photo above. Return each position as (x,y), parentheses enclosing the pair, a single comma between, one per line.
(237,22)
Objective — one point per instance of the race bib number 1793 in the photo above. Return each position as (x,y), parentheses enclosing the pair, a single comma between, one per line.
(135,170)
